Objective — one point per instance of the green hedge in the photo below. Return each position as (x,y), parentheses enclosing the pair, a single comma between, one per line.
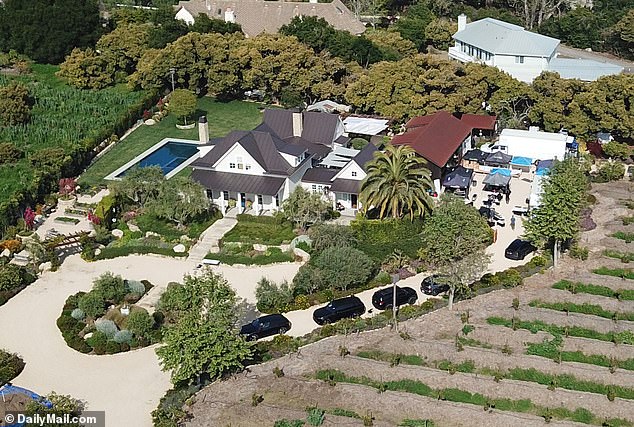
(380,238)
(578,287)
(624,273)
(263,230)
(117,251)
(275,255)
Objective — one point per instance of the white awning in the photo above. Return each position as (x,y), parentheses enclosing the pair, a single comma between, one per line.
(364,126)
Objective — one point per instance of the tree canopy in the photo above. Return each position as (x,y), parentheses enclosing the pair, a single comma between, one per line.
(304,208)
(47,30)
(180,199)
(397,184)
(182,103)
(557,218)
(454,241)
(203,341)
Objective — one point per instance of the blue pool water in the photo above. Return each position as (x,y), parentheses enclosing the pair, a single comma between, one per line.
(168,157)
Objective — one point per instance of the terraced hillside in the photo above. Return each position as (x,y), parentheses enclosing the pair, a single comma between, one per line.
(558,349)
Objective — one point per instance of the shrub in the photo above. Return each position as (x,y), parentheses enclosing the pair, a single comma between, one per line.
(380,238)
(140,323)
(110,287)
(326,236)
(10,366)
(272,297)
(619,150)
(9,153)
(510,278)
(98,341)
(610,171)
(78,314)
(106,327)
(14,277)
(315,416)
(123,336)
(135,287)
(344,267)
(383,278)
(92,304)
(113,347)
(579,252)
(308,280)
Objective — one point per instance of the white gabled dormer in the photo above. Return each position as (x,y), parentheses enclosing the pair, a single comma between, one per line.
(294,160)
(352,171)
(238,160)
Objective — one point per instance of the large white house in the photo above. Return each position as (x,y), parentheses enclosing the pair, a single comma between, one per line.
(257,170)
(520,53)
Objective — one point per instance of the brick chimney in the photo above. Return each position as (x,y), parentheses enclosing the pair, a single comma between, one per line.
(298,126)
(203,130)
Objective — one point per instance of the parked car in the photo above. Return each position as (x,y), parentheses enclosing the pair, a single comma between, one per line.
(339,309)
(383,299)
(518,249)
(265,326)
(433,285)
(492,216)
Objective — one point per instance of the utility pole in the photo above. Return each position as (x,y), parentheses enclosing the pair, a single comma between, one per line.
(395,278)
(172,71)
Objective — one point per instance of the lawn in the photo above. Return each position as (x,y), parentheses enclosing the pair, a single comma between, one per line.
(223,117)
(260,229)
(244,254)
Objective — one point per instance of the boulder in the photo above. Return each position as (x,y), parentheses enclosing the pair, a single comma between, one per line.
(88,335)
(180,248)
(151,234)
(5,253)
(260,248)
(305,256)
(97,252)
(150,122)
(133,228)
(45,266)
(117,233)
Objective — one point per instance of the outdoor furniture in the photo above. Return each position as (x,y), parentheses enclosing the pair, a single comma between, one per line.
(520,210)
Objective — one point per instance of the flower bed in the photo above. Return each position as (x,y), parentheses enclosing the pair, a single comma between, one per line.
(65,219)
(246,255)
(88,328)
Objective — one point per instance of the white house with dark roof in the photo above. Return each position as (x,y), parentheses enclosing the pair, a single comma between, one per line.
(341,186)
(257,170)
(518,52)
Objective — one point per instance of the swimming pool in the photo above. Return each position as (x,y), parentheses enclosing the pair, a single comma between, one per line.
(169,154)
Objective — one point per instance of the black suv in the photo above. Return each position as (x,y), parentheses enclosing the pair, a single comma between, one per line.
(382,299)
(265,326)
(434,285)
(518,249)
(339,309)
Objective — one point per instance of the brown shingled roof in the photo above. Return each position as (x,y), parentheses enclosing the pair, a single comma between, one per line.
(435,137)
(477,121)
(258,16)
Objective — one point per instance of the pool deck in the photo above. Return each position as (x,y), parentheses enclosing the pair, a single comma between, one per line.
(114,176)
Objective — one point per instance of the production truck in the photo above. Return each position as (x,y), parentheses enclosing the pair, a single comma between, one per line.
(533,143)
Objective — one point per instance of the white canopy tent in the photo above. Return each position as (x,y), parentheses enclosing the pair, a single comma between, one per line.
(364,125)
(535,197)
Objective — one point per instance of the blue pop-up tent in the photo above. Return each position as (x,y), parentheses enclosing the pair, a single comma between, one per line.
(501,171)
(15,399)
(521,161)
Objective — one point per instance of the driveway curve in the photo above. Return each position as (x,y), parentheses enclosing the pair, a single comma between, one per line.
(127,386)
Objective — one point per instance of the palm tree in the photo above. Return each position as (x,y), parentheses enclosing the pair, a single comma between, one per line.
(397,183)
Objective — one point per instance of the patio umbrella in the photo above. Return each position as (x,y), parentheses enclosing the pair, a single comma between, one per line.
(475,156)
(497,179)
(521,161)
(548,164)
(499,158)
(459,177)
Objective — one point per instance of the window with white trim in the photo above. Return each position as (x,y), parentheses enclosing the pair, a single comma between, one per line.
(354,173)
(519,59)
